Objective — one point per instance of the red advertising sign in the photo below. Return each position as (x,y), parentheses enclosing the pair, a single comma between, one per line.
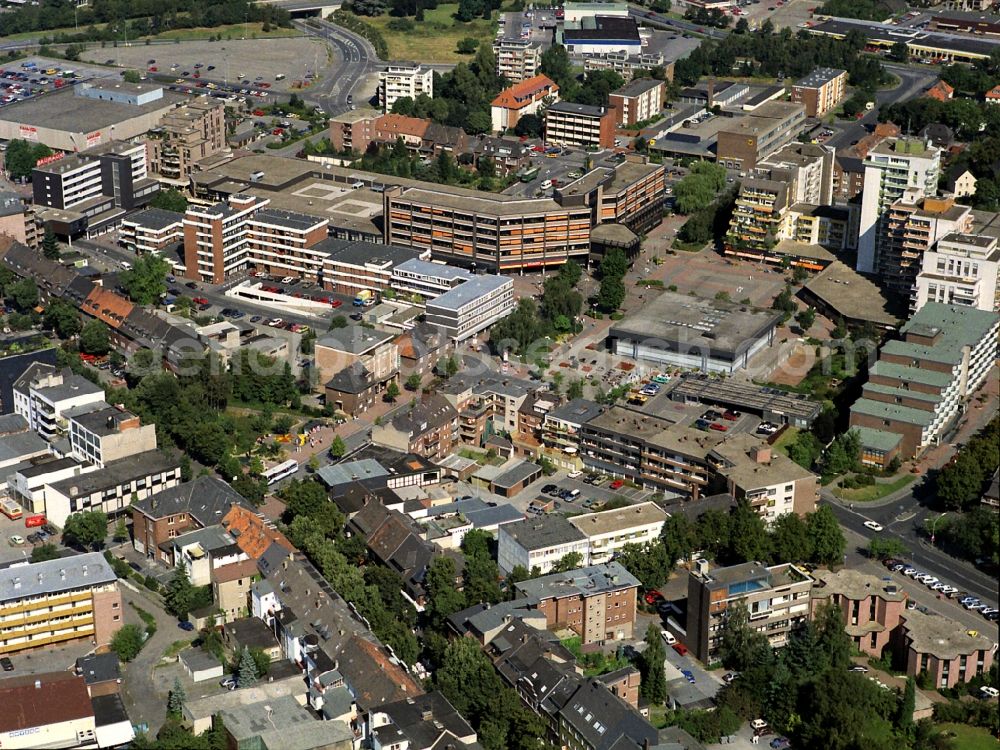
(27,132)
(93,139)
(49,159)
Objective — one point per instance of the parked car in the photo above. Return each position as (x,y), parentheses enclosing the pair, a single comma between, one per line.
(575,474)
(680,648)
(186,625)
(616,485)
(549,489)
(668,637)
(731,415)
(7,664)
(652,596)
(718,427)
(229,683)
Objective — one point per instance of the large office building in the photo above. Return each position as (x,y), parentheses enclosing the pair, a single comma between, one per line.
(892,167)
(691,332)
(920,384)
(821,91)
(152,230)
(911,227)
(494,232)
(404,79)
(962,269)
(580,125)
(91,191)
(600,34)
(473,306)
(45,396)
(59,600)
(753,138)
(776,599)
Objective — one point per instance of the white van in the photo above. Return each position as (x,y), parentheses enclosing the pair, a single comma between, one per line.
(546,185)
(574,494)
(668,637)
(126,265)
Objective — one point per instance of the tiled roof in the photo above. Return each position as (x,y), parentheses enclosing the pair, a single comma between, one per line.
(524,93)
(254,534)
(401,125)
(373,676)
(107,306)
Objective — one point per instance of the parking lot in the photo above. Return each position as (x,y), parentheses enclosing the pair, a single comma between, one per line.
(38,75)
(284,65)
(10,552)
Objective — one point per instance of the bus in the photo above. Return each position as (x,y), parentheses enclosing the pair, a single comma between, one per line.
(529,175)
(282,470)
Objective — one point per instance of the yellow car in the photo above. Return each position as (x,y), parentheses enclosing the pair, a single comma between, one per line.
(179,80)
(51,72)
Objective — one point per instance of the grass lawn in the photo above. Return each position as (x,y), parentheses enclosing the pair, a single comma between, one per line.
(658,716)
(875,492)
(233,31)
(175,648)
(435,39)
(786,439)
(970,738)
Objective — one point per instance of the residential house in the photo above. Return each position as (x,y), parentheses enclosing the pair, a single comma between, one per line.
(870,607)
(429,428)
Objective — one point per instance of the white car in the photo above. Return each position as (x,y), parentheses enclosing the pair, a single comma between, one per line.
(989,692)
(930,581)
(873,526)
(668,637)
(575,474)
(939,586)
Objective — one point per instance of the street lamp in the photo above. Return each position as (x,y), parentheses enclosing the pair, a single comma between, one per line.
(934,525)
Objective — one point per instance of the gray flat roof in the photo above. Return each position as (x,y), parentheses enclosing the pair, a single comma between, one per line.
(597,579)
(746,396)
(155,218)
(435,270)
(62,110)
(358,253)
(53,576)
(874,31)
(819,77)
(577,411)
(516,474)
(116,473)
(678,320)
(577,109)
(21,444)
(470,291)
(351,471)
(354,339)
(288,219)
(638,86)
(539,533)
(850,294)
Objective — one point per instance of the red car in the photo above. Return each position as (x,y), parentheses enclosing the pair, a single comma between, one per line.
(152,68)
(617,484)
(680,648)
(653,596)
(336,303)
(258,113)
(732,416)
(200,301)
(718,427)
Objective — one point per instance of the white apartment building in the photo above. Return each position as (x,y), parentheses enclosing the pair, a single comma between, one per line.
(961,269)
(540,542)
(890,168)
(473,306)
(402,79)
(517,59)
(811,168)
(608,531)
(43,394)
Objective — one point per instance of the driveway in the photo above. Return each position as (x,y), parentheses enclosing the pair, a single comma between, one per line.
(142,700)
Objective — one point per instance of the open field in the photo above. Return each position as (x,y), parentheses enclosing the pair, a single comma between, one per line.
(434,40)
(253,30)
(970,738)
(251,57)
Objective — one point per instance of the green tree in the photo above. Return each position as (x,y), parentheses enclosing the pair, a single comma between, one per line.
(180,592)
(392,391)
(62,318)
(909,703)
(806,318)
(131,76)
(86,529)
(146,283)
(883,548)
(176,699)
(481,576)
(24,294)
(654,679)
(246,674)
(611,294)
(444,598)
(304,498)
(649,562)
(790,540)
(739,644)
(843,454)
(337,447)
(899,52)
(261,660)
(679,538)
(127,642)
(413,382)
(338,321)
(121,529)
(50,247)
(569,561)
(826,536)
(95,338)
(749,538)
(44,552)
(574,389)
(555,63)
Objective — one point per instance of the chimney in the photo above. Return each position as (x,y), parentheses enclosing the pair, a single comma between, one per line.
(711,92)
(761,454)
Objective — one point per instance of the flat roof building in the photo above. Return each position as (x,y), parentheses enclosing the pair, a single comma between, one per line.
(608,531)
(539,542)
(682,331)
(753,138)
(942,648)
(771,404)
(821,91)
(569,124)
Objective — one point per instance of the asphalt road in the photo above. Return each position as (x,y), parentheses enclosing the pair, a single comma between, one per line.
(912,81)
(901,520)
(144,704)
(357,57)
